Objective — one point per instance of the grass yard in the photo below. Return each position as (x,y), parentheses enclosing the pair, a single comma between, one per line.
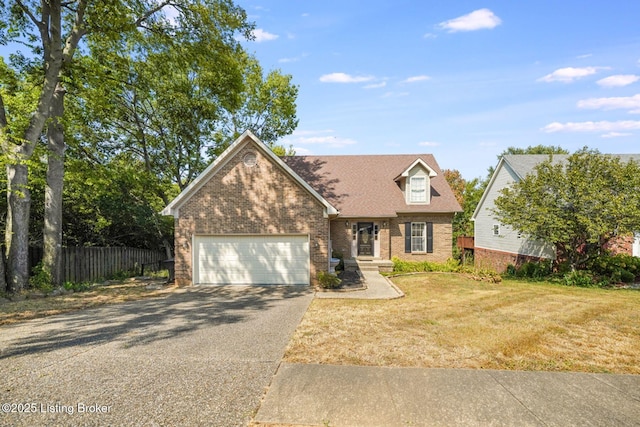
(112,293)
(450,321)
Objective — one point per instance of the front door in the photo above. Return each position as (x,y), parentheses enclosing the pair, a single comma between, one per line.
(365,239)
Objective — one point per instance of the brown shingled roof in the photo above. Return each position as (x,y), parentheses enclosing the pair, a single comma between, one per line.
(365,186)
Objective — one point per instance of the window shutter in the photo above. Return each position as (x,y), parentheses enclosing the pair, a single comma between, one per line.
(429,237)
(407,237)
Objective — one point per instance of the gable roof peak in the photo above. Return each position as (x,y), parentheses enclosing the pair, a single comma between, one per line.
(247,137)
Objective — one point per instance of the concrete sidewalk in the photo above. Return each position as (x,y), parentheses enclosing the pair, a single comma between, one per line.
(377,287)
(317,395)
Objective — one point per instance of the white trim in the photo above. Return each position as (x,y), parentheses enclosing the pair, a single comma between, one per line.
(173,208)
(424,237)
(422,163)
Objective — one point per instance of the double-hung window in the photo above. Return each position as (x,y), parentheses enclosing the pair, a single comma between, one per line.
(418,189)
(418,237)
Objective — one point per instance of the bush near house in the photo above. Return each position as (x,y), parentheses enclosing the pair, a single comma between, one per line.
(616,269)
(328,280)
(600,271)
(450,266)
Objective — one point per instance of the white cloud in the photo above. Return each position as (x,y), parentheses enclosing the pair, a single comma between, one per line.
(395,94)
(615,134)
(618,80)
(428,144)
(480,19)
(569,74)
(375,85)
(603,126)
(415,79)
(293,59)
(613,103)
(344,78)
(263,36)
(323,137)
(586,55)
(429,36)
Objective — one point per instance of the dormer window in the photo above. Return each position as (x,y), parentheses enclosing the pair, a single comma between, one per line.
(415,183)
(418,189)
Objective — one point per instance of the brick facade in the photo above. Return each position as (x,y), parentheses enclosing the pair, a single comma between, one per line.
(621,245)
(442,237)
(499,260)
(259,199)
(391,236)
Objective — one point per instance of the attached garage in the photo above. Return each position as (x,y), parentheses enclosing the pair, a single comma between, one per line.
(251,259)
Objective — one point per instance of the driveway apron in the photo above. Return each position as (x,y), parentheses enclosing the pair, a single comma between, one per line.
(201,356)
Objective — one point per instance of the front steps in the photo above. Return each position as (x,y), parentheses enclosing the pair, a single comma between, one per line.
(368,264)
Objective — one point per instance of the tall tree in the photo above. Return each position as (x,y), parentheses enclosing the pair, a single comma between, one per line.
(468,194)
(268,108)
(577,205)
(52,30)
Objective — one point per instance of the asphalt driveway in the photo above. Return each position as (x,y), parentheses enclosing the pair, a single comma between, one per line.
(201,356)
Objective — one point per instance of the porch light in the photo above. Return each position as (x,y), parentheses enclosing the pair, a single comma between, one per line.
(346,224)
(384,224)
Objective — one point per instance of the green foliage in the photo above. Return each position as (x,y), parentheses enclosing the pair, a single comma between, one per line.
(577,205)
(328,280)
(581,278)
(534,270)
(449,266)
(615,269)
(468,194)
(77,287)
(40,279)
(401,266)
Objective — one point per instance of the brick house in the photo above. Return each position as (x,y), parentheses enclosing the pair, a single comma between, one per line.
(254,218)
(498,245)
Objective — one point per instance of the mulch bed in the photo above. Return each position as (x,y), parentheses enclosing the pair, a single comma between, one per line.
(351,280)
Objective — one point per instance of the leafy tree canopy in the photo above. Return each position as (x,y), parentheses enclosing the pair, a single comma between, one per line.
(578,205)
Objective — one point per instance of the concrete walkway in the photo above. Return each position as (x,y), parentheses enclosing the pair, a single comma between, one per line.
(318,395)
(377,287)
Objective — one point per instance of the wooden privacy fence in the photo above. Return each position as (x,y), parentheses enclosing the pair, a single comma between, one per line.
(85,264)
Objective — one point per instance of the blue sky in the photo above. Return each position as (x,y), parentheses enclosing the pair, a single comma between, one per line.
(462,80)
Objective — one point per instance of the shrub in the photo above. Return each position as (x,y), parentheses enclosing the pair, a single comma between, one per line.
(579,278)
(40,279)
(328,280)
(534,270)
(617,268)
(77,287)
(450,266)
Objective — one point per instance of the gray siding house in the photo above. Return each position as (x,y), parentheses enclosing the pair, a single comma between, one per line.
(497,245)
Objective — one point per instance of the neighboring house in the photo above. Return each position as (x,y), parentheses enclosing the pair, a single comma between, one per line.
(498,245)
(254,218)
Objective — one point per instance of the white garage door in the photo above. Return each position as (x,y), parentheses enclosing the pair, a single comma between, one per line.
(251,259)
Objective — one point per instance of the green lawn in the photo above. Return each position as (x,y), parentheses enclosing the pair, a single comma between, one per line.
(451,321)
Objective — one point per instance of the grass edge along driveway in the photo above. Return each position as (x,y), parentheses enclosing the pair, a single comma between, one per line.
(450,321)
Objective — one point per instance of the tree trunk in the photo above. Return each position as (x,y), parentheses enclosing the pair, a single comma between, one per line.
(3,276)
(52,232)
(17,227)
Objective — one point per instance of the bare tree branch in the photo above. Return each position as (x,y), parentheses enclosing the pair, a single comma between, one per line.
(151,11)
